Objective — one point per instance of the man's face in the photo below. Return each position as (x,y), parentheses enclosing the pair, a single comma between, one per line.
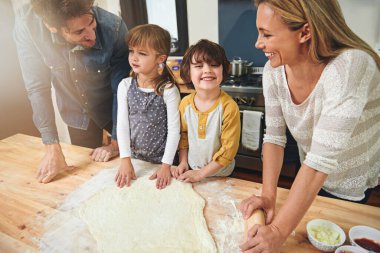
(80,30)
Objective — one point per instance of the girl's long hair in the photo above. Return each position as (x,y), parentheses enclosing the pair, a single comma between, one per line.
(330,33)
(157,38)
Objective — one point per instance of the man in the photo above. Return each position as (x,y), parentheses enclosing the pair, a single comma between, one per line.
(81,51)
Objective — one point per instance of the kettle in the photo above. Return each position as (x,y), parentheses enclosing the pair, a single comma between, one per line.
(240,67)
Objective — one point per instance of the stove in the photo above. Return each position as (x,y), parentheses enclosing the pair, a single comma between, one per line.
(247,91)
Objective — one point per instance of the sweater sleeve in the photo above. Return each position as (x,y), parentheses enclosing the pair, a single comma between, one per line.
(230,135)
(172,99)
(347,85)
(274,119)
(123,131)
(184,142)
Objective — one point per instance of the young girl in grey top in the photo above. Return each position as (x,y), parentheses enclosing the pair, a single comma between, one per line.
(148,118)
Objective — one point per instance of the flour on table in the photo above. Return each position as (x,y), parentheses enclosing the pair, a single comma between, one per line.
(66,232)
(142,218)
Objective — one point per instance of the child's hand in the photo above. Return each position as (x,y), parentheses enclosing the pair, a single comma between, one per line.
(179,170)
(125,174)
(191,176)
(163,176)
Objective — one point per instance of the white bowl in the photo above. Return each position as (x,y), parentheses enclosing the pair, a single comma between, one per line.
(327,225)
(349,249)
(357,232)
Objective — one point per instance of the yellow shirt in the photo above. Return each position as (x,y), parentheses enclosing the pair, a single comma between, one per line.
(211,135)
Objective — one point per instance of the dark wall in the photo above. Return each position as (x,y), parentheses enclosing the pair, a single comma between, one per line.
(15,109)
(237,31)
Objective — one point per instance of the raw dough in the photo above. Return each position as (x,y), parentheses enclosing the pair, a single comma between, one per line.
(143,219)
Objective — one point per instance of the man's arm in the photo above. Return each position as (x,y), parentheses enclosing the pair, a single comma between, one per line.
(119,70)
(37,79)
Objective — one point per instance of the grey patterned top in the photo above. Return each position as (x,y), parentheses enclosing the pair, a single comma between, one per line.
(148,124)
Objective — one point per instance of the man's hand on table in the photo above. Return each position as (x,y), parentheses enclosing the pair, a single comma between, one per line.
(105,153)
(52,163)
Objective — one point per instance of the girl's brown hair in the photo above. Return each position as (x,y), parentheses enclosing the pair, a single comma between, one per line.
(330,33)
(204,51)
(157,38)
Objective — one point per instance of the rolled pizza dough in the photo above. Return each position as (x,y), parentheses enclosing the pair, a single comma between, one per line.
(143,219)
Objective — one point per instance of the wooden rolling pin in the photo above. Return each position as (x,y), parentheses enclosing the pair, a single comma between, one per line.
(257,217)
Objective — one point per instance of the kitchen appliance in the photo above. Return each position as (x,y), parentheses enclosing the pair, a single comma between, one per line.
(247,91)
(240,67)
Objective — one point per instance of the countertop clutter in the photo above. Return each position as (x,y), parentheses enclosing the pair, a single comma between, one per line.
(26,204)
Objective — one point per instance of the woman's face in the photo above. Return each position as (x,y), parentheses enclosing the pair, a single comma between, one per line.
(280,44)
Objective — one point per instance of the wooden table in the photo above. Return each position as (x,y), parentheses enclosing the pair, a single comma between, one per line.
(23,199)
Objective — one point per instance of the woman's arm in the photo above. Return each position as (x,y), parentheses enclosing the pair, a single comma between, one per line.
(304,190)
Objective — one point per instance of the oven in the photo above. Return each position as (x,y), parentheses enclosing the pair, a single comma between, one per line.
(247,92)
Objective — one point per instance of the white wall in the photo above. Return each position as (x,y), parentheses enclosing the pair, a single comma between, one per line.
(363,18)
(202,18)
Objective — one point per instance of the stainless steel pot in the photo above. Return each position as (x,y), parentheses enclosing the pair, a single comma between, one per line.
(240,67)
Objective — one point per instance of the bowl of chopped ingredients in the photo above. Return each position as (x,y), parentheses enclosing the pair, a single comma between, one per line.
(325,235)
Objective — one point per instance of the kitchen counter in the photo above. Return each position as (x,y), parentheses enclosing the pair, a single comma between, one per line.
(23,200)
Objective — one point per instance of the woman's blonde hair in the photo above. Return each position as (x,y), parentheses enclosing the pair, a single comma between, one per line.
(154,37)
(330,33)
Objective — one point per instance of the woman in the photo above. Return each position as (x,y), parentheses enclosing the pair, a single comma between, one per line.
(322,82)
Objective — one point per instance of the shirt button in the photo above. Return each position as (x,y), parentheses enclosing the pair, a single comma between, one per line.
(98,70)
(82,95)
(201,127)
(85,103)
(76,81)
(51,67)
(73,69)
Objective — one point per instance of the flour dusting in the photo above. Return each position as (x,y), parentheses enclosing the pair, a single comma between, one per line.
(66,232)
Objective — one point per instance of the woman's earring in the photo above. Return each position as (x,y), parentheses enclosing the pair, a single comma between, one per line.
(161,65)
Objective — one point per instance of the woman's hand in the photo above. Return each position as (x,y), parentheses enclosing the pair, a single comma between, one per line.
(125,174)
(263,239)
(179,170)
(249,205)
(163,176)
